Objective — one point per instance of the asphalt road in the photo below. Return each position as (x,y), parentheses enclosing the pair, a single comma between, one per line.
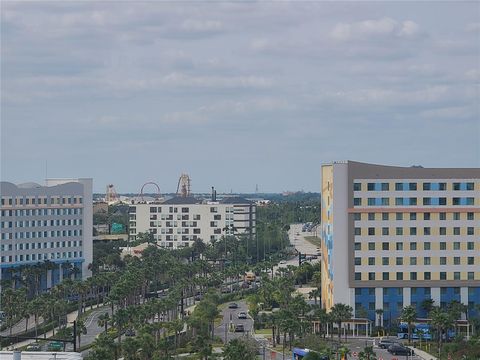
(230,319)
(357,345)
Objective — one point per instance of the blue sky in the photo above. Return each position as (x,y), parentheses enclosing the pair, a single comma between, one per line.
(235,93)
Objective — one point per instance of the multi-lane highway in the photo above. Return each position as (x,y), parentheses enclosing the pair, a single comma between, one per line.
(226,329)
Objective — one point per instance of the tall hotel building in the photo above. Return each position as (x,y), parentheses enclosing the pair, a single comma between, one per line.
(179,221)
(395,236)
(50,223)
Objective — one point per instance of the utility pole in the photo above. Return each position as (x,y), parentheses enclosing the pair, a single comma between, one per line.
(74,336)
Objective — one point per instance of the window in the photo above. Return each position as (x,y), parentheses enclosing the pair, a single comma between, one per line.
(456,216)
(371,276)
(357,216)
(357,187)
(399,231)
(371,201)
(427,260)
(358,276)
(443,245)
(358,231)
(399,216)
(456,275)
(385,276)
(470,275)
(371,216)
(413,231)
(413,260)
(385,246)
(470,216)
(442,230)
(426,231)
(443,260)
(456,245)
(470,231)
(470,245)
(371,246)
(413,201)
(427,201)
(371,231)
(427,275)
(427,186)
(385,201)
(442,216)
(385,260)
(442,201)
(399,276)
(399,261)
(386,187)
(427,245)
(398,201)
(358,261)
(357,202)
(456,201)
(385,231)
(426,216)
(358,246)
(456,186)
(399,246)
(470,186)
(385,216)
(413,246)
(398,186)
(413,216)
(443,275)
(371,261)
(470,260)
(413,275)
(412,186)
(371,187)
(456,260)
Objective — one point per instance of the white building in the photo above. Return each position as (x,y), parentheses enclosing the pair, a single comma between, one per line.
(47,224)
(179,221)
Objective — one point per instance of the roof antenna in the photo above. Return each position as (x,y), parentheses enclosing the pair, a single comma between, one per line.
(46,171)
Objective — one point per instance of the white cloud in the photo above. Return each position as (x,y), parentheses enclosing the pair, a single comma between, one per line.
(364,30)
(201,26)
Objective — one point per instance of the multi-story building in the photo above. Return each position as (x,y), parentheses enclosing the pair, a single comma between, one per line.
(396,236)
(44,225)
(179,221)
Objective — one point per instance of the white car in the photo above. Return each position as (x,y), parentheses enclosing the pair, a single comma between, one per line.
(283,262)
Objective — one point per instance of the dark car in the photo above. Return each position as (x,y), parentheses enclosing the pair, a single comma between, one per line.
(239,328)
(385,343)
(233,306)
(397,349)
(130,332)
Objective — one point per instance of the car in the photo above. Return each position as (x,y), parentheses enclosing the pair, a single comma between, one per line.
(385,343)
(242,315)
(239,328)
(130,332)
(397,349)
(233,306)
(34,347)
(55,346)
(283,262)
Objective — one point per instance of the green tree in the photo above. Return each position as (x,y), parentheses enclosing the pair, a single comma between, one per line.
(341,313)
(367,354)
(409,315)
(241,349)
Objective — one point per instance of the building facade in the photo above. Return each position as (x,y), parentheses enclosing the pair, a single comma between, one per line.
(396,236)
(49,224)
(179,221)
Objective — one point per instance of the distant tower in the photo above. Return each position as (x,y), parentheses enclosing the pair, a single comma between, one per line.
(256,189)
(183,186)
(111,196)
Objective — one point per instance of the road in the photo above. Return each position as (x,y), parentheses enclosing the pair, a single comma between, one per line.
(230,318)
(356,345)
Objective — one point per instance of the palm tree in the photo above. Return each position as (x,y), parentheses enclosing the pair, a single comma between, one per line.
(441,320)
(344,352)
(341,313)
(81,329)
(409,315)
(379,312)
(427,305)
(103,321)
(367,354)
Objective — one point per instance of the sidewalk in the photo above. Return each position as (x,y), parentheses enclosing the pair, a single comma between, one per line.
(422,354)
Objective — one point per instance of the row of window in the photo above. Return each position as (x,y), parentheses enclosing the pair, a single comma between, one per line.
(51,200)
(184,210)
(399,246)
(39,257)
(412,231)
(40,223)
(427,275)
(413,186)
(44,245)
(413,216)
(42,212)
(40,234)
(413,201)
(427,291)
(412,260)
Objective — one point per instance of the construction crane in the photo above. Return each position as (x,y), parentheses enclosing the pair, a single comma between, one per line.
(183,186)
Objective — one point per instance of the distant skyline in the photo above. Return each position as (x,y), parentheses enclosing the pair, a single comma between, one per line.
(235,93)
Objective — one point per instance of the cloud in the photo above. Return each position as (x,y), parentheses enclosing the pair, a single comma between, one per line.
(374,29)
(201,26)
(473,27)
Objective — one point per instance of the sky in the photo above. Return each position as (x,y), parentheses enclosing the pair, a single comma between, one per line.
(236,94)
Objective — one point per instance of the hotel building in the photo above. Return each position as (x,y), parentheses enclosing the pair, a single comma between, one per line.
(179,221)
(396,236)
(50,223)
